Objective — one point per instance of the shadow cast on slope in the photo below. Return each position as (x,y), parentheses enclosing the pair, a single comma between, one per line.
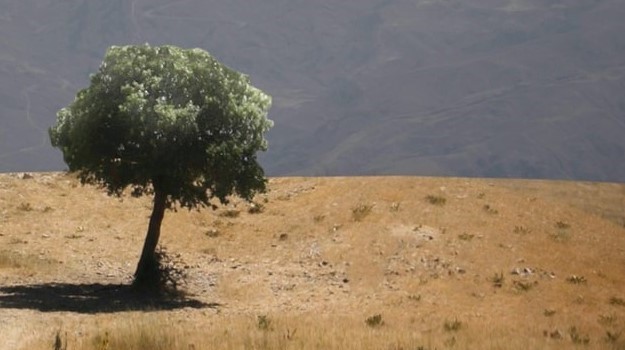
(90,298)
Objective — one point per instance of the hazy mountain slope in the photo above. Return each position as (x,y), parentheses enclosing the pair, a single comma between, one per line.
(519,88)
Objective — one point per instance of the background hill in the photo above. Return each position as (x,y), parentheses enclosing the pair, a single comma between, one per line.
(446,264)
(515,88)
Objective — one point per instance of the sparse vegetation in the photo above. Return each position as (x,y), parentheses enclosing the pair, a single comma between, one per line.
(465,236)
(230,213)
(521,230)
(612,337)
(318,218)
(263,322)
(607,320)
(617,301)
(562,225)
(374,321)
(315,283)
(523,286)
(490,210)
(577,337)
(452,325)
(11,260)
(255,208)
(575,279)
(24,207)
(212,233)
(562,233)
(497,280)
(395,207)
(414,297)
(436,200)
(549,312)
(361,211)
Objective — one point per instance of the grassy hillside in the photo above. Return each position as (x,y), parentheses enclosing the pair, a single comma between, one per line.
(343,263)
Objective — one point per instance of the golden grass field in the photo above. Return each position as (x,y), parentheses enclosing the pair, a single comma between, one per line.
(321,263)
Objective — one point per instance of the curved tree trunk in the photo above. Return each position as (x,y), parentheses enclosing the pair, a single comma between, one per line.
(147,274)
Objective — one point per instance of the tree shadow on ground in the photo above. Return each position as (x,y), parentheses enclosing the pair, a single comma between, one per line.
(91,298)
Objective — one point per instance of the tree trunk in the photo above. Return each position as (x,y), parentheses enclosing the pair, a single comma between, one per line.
(147,274)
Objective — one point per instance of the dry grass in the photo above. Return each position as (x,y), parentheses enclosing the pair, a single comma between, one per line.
(13,260)
(159,332)
(319,267)
(361,211)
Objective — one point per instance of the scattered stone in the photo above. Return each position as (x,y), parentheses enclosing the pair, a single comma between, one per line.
(524,271)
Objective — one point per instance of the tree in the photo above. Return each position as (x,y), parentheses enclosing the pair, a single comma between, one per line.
(170,122)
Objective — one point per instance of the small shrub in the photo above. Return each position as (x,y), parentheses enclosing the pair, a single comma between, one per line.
(24,207)
(436,200)
(574,279)
(578,338)
(490,210)
(555,334)
(617,301)
(612,337)
(263,322)
(465,236)
(374,321)
(562,225)
(319,218)
(255,208)
(361,211)
(16,240)
(549,312)
(561,236)
(607,320)
(521,230)
(523,286)
(230,213)
(497,280)
(452,326)
(395,206)
(212,233)
(414,297)
(451,342)
(101,342)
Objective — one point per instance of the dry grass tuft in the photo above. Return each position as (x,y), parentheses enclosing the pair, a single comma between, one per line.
(9,259)
(361,211)
(436,200)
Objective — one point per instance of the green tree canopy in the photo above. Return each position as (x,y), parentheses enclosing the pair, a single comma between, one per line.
(170,121)
(174,119)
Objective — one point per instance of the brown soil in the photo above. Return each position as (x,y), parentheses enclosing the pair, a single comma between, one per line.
(418,251)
